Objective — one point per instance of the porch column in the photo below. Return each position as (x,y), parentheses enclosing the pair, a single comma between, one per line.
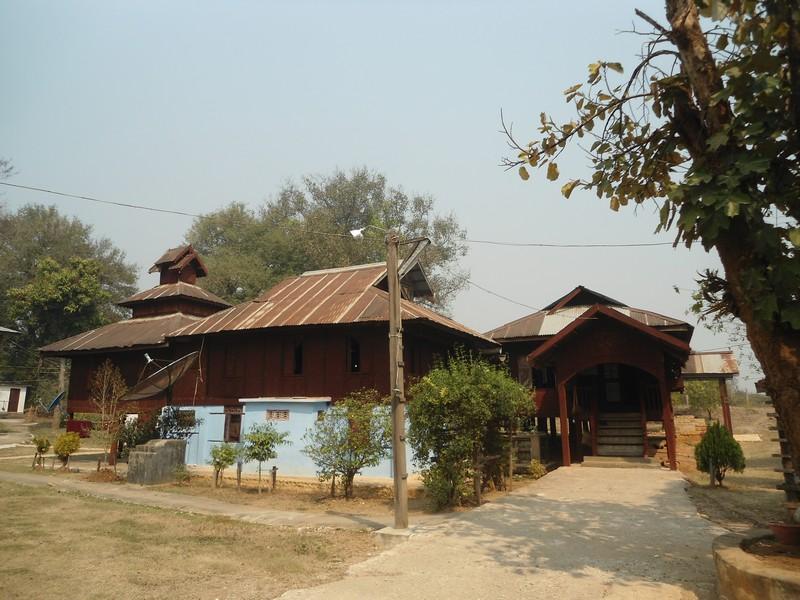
(562,412)
(669,425)
(726,408)
(594,419)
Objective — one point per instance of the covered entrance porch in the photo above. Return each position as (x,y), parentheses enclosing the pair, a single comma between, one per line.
(611,377)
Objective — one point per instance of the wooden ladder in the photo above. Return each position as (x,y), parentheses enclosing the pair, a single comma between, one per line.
(791,484)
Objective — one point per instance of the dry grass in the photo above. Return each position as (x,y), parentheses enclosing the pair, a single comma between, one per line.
(302,495)
(747,499)
(59,545)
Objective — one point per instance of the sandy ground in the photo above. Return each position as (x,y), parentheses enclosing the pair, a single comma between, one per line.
(577,533)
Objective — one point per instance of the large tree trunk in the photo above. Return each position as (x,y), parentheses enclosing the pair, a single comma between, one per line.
(776,347)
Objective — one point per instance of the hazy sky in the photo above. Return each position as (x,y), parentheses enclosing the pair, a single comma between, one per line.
(192,105)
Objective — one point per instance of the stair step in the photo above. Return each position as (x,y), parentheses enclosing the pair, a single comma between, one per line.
(783,470)
(616,415)
(619,450)
(619,462)
(626,440)
(603,431)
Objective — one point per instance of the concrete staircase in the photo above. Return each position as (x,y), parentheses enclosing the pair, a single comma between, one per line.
(620,434)
(619,462)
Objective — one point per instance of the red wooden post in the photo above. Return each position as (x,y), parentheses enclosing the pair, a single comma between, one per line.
(726,408)
(669,425)
(643,408)
(562,410)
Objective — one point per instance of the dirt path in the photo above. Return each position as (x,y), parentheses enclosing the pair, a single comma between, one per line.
(133,494)
(578,533)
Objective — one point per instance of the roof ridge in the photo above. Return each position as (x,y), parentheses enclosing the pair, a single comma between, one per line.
(343,269)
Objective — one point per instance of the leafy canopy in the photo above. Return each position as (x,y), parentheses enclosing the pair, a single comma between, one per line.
(711,140)
(454,411)
(262,441)
(249,251)
(720,452)
(353,434)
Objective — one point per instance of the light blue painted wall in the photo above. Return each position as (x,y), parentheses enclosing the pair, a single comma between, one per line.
(291,461)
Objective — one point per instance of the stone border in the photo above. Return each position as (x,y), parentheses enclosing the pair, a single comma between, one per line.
(743,576)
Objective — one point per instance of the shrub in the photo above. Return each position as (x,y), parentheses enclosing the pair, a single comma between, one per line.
(182,475)
(137,431)
(456,412)
(718,452)
(42,445)
(537,469)
(222,457)
(65,445)
(260,444)
(353,434)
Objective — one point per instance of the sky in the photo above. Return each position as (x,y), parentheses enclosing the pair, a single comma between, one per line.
(192,105)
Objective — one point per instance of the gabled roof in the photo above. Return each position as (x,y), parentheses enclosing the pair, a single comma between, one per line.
(582,296)
(173,290)
(560,313)
(598,311)
(328,297)
(146,332)
(178,258)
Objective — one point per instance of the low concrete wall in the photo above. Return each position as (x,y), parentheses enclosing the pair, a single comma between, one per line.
(743,576)
(156,461)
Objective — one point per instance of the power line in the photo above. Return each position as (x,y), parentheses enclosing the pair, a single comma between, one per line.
(336,234)
(557,245)
(126,205)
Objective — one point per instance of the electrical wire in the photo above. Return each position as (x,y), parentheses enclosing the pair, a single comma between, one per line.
(336,234)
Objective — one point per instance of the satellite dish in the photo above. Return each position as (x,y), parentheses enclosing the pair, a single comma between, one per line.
(162,380)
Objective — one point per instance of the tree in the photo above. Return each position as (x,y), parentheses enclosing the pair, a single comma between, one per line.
(106,389)
(703,395)
(176,423)
(65,446)
(222,456)
(353,434)
(718,452)
(261,444)
(707,126)
(42,445)
(29,236)
(306,227)
(454,412)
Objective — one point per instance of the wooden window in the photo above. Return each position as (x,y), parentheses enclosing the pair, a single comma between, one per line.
(277,415)
(353,355)
(233,427)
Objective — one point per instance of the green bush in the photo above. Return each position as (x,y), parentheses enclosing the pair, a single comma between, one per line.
(137,431)
(42,445)
(456,413)
(65,445)
(353,434)
(260,445)
(537,469)
(718,452)
(222,457)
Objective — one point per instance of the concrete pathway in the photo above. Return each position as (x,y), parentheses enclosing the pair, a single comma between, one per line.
(142,496)
(578,533)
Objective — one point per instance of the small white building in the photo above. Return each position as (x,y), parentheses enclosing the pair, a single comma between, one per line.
(12,397)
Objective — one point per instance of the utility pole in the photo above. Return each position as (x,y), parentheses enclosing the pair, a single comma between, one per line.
(396,385)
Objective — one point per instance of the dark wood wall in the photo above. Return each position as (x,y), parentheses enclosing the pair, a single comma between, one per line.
(262,363)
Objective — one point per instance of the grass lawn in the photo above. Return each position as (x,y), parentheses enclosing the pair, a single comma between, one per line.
(59,545)
(749,498)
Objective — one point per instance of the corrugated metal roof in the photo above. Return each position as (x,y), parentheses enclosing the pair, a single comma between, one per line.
(709,364)
(335,296)
(181,288)
(144,332)
(544,323)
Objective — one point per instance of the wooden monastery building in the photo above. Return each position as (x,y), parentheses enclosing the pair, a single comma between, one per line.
(602,372)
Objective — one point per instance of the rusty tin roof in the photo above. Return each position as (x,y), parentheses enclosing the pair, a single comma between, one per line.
(146,332)
(179,289)
(327,297)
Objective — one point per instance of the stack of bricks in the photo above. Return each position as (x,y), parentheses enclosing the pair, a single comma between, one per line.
(689,430)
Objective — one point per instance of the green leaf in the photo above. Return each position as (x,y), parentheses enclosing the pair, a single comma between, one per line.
(552,171)
(717,140)
(523,173)
(732,209)
(573,88)
(567,188)
(794,237)
(615,66)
